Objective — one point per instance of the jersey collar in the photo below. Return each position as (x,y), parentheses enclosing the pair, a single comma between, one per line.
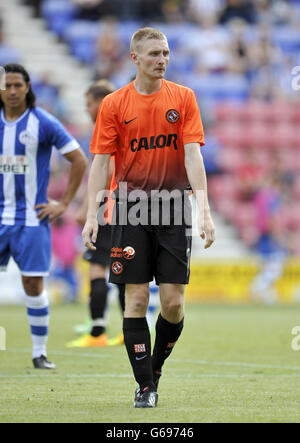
(15,122)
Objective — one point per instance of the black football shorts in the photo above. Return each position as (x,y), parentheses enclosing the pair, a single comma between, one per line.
(103,245)
(144,251)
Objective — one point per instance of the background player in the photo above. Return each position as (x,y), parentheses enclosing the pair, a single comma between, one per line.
(99,259)
(27,134)
(154,129)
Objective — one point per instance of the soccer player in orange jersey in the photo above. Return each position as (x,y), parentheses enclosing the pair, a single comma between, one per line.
(154,129)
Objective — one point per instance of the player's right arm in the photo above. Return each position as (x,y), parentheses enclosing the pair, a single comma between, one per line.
(103,145)
(82,212)
(96,190)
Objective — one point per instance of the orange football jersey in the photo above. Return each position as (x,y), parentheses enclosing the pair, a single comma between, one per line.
(147,134)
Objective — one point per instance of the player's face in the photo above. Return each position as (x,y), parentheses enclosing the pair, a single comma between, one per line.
(152,58)
(92,106)
(14,97)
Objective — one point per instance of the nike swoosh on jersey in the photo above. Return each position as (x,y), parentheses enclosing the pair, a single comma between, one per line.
(129,121)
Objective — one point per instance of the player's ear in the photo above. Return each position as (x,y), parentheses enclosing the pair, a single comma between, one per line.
(28,86)
(134,57)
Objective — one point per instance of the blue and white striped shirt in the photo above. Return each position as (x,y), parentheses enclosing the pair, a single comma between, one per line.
(25,151)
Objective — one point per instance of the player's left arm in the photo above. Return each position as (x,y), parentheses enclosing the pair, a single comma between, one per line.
(195,170)
(54,209)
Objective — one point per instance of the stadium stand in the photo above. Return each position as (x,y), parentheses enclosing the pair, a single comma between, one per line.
(238,57)
(7,53)
(59,14)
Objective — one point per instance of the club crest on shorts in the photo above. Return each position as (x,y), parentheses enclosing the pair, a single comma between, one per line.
(117,267)
(172,116)
(129,252)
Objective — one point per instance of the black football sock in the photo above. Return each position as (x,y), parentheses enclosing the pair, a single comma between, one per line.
(98,302)
(138,344)
(167,335)
(121,289)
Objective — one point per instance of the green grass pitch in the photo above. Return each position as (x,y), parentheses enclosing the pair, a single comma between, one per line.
(232,364)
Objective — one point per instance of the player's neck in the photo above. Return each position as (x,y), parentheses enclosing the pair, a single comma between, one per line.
(12,114)
(147,86)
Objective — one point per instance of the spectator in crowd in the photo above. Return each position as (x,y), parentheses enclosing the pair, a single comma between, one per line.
(239,59)
(110,49)
(250,175)
(264,58)
(173,11)
(274,12)
(93,9)
(208,44)
(197,8)
(49,95)
(150,10)
(36,6)
(238,8)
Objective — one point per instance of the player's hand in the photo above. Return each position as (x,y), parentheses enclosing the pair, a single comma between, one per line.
(207,230)
(89,233)
(52,209)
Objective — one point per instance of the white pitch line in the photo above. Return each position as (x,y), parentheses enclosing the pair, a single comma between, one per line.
(52,374)
(175,360)
(68,353)
(244,364)
(110,375)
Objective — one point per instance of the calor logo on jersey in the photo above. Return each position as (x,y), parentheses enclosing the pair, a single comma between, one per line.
(154,142)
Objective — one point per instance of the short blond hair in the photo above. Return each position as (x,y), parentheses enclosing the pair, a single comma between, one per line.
(145,34)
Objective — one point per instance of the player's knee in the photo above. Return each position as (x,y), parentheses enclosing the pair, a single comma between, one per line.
(137,299)
(138,307)
(173,307)
(33,286)
(97,271)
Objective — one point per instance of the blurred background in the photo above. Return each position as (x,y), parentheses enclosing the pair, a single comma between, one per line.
(242,59)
